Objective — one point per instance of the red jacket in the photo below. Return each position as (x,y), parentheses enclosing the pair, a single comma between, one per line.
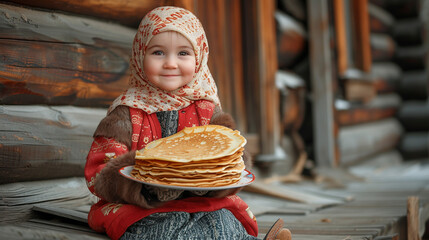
(115,218)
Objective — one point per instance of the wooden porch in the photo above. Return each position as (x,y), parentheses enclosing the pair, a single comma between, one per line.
(375,200)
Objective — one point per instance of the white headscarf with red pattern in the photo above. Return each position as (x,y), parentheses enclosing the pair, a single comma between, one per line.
(150,99)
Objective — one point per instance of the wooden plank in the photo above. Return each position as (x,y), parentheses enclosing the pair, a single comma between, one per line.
(269,96)
(381,107)
(61,212)
(361,141)
(359,90)
(322,82)
(52,58)
(41,232)
(341,36)
(222,23)
(41,142)
(386,77)
(18,199)
(295,8)
(380,20)
(128,13)
(383,47)
(362,35)
(400,8)
(291,40)
(413,218)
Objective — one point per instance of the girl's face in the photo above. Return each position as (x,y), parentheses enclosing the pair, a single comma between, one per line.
(169,61)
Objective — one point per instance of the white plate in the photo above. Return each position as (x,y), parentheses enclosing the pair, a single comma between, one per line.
(246,178)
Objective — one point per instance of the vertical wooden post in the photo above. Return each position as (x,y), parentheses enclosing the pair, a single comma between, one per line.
(269,94)
(413,218)
(322,82)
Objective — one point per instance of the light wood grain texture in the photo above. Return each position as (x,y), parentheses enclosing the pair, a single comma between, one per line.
(52,58)
(41,142)
(413,218)
(127,13)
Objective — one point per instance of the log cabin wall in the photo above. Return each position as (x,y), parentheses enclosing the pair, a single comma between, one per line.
(64,63)
(373,117)
(66,60)
(365,110)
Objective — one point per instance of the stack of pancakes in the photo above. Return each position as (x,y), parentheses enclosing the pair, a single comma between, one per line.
(204,156)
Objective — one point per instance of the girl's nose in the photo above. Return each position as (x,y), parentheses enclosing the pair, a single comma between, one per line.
(170,62)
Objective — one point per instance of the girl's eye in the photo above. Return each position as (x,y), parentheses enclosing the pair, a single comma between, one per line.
(183,53)
(158,52)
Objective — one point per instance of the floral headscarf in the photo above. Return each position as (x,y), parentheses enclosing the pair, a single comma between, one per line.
(141,94)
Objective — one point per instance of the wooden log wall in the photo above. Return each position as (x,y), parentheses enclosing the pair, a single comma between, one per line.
(409,35)
(52,61)
(71,53)
(58,59)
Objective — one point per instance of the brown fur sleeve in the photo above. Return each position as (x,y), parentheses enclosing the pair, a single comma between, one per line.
(113,187)
(117,125)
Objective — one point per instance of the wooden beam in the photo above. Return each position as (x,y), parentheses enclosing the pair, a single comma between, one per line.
(269,129)
(322,82)
(413,218)
(128,13)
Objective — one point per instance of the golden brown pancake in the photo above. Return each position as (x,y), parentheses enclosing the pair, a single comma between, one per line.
(204,156)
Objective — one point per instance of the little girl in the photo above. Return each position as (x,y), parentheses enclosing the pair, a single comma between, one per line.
(171,88)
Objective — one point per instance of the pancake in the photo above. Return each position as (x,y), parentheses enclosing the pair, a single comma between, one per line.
(194,144)
(204,156)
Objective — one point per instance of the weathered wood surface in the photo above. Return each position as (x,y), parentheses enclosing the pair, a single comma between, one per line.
(380,20)
(291,40)
(377,211)
(381,107)
(18,199)
(386,76)
(128,13)
(383,47)
(322,80)
(53,58)
(358,142)
(370,203)
(223,26)
(295,8)
(400,8)
(41,142)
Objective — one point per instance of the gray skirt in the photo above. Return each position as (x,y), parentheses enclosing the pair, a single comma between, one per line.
(219,224)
